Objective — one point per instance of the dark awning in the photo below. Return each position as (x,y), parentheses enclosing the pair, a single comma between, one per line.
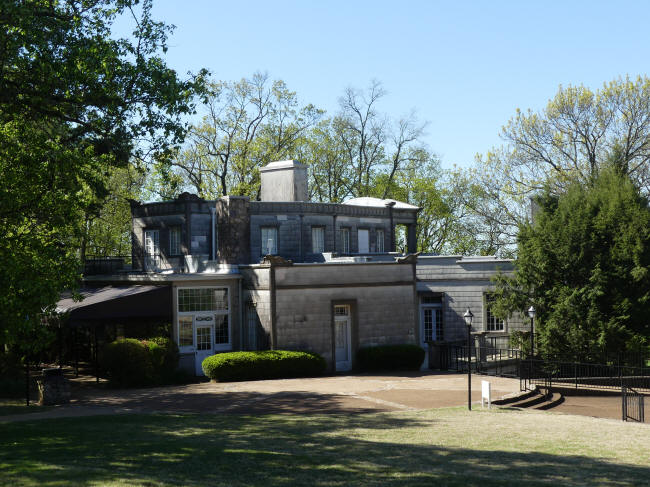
(117,302)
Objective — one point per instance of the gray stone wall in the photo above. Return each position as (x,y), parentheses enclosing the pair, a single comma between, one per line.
(257,299)
(190,213)
(381,295)
(233,230)
(464,283)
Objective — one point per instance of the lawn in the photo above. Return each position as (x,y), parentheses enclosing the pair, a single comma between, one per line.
(17,406)
(435,447)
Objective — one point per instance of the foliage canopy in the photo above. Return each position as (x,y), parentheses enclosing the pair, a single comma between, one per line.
(585,265)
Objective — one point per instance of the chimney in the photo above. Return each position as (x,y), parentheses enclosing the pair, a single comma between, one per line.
(284,181)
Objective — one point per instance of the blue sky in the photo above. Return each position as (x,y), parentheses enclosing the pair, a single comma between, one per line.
(465,67)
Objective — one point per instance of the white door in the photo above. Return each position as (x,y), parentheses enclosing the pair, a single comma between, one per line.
(342,335)
(430,329)
(204,339)
(151,250)
(363,241)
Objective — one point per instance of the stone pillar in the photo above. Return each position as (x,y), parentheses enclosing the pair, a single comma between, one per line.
(53,388)
(233,230)
(412,239)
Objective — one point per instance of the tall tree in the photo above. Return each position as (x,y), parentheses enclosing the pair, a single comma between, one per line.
(585,265)
(74,103)
(570,140)
(248,124)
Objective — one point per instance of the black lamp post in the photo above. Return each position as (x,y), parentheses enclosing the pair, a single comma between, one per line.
(531,314)
(468,321)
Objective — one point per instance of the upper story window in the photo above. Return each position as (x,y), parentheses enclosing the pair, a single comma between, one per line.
(175,240)
(151,249)
(317,240)
(380,240)
(345,240)
(202,299)
(492,323)
(269,240)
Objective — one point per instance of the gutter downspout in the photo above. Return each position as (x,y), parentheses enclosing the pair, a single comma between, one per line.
(213,232)
(241,315)
(273,336)
(392,227)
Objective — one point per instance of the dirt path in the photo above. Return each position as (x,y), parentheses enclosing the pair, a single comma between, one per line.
(339,394)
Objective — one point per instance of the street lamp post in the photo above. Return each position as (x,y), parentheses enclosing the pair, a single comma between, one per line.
(531,314)
(468,321)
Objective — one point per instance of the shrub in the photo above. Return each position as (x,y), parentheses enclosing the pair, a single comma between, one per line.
(164,357)
(269,364)
(390,357)
(127,362)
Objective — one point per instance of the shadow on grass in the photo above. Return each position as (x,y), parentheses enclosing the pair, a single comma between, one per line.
(180,400)
(273,451)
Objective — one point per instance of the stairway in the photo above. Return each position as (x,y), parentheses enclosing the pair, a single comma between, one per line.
(535,398)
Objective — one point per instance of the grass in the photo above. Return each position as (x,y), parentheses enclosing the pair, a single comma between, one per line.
(422,448)
(17,406)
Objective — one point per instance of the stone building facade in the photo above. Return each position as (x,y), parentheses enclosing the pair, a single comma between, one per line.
(287,273)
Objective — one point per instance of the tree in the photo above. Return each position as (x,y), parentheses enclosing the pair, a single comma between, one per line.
(570,140)
(585,266)
(248,124)
(74,104)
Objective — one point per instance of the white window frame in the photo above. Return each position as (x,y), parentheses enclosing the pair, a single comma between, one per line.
(155,246)
(175,244)
(379,240)
(345,240)
(317,239)
(489,317)
(434,332)
(359,232)
(264,250)
(217,346)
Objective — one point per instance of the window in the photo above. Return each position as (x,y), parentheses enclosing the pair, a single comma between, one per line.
(362,235)
(492,322)
(202,299)
(317,240)
(185,338)
(269,241)
(151,249)
(221,330)
(175,241)
(345,240)
(380,240)
(204,312)
(431,316)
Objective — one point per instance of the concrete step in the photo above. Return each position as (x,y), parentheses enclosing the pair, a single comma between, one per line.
(552,401)
(530,401)
(509,399)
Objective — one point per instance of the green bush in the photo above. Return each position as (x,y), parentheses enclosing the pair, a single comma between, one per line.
(132,362)
(269,364)
(127,362)
(390,357)
(164,357)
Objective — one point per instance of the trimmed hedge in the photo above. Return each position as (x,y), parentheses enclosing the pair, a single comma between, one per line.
(268,364)
(164,356)
(390,357)
(127,362)
(131,362)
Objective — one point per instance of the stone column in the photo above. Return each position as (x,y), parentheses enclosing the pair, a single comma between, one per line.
(233,230)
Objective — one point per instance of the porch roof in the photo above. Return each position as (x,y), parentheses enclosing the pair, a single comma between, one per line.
(117,302)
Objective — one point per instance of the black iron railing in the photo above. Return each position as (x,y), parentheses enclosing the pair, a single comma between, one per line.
(584,375)
(633,405)
(486,360)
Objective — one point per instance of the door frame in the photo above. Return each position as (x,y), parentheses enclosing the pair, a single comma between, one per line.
(353,333)
(197,365)
(359,230)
